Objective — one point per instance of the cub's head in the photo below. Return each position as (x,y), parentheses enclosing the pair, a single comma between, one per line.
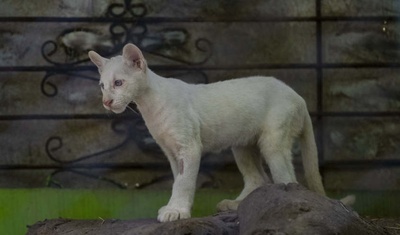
(122,78)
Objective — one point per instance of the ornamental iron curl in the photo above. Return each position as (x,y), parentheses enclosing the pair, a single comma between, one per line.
(133,129)
(170,43)
(211,181)
(55,143)
(127,9)
(51,182)
(75,43)
(49,89)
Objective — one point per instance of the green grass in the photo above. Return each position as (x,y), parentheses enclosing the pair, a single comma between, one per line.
(21,207)
(383,204)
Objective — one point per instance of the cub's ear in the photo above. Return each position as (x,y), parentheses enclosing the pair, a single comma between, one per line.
(133,56)
(97,59)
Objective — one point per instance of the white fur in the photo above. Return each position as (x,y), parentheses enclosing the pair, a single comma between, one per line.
(259,117)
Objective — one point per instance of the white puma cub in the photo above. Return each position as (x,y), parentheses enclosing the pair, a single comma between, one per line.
(255,116)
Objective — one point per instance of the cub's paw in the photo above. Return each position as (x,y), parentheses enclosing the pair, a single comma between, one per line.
(168,213)
(228,205)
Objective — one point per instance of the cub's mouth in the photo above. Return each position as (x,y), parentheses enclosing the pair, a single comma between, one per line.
(120,108)
(115,108)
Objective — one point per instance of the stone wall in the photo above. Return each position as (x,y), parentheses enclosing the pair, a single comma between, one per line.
(50,108)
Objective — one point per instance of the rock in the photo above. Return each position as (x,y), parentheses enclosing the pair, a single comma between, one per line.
(292,209)
(220,224)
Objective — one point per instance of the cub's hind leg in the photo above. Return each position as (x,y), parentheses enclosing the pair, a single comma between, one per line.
(249,163)
(276,146)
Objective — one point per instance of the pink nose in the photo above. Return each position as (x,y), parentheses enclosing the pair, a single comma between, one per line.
(108,102)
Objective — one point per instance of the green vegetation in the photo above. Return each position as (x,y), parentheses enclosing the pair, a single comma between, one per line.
(21,207)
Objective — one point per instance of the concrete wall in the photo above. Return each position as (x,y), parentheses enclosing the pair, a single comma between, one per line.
(236,40)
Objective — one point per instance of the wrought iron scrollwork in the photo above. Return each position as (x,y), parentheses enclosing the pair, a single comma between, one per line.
(51,182)
(50,89)
(70,49)
(55,143)
(127,9)
(135,131)
(73,44)
(201,45)
(132,129)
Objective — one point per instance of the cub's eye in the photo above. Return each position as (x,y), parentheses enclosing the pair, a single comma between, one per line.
(102,85)
(118,82)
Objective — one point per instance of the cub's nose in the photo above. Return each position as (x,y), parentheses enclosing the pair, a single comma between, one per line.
(108,102)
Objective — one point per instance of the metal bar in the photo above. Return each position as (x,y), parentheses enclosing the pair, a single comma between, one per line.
(209,67)
(157,20)
(149,20)
(360,65)
(127,116)
(109,116)
(86,166)
(45,68)
(319,91)
(328,165)
(360,164)
(357,114)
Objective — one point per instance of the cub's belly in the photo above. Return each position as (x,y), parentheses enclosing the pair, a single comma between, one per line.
(220,137)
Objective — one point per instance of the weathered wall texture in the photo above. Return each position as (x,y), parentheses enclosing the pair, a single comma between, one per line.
(234,39)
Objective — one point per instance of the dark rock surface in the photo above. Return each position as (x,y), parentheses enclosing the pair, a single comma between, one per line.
(220,224)
(292,209)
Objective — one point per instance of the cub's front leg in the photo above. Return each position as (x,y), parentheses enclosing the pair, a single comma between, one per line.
(183,190)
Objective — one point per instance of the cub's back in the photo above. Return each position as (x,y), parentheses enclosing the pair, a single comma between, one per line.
(234,111)
(258,90)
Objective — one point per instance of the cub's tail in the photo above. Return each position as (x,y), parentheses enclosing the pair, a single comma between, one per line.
(349,200)
(310,157)
(310,161)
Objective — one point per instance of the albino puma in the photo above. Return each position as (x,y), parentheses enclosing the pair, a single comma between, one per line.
(255,116)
